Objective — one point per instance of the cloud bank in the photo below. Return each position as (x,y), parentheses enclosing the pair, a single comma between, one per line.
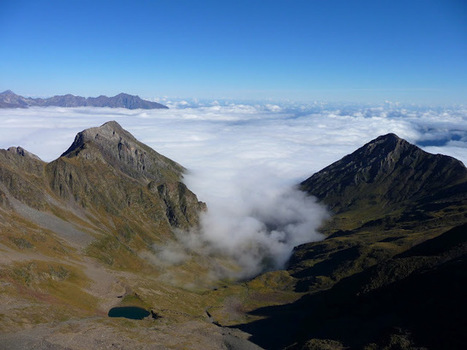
(260,221)
(245,160)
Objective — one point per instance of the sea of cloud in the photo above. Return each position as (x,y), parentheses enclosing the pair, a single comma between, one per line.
(244,160)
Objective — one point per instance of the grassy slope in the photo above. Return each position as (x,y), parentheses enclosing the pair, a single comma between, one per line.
(47,276)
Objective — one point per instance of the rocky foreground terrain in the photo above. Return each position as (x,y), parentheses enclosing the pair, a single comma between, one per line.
(88,231)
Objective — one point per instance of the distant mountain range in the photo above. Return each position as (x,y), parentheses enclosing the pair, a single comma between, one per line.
(8,99)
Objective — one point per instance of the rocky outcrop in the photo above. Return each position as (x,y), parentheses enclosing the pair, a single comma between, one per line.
(179,202)
(8,99)
(22,178)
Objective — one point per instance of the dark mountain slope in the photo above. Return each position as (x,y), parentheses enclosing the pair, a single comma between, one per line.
(413,301)
(387,196)
(9,99)
(387,173)
(392,270)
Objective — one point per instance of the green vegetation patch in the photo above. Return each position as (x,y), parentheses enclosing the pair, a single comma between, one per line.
(52,283)
(110,251)
(21,243)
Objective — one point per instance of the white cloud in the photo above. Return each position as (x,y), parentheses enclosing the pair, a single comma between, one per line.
(245,159)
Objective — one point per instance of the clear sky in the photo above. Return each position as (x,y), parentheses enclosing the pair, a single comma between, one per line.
(332,50)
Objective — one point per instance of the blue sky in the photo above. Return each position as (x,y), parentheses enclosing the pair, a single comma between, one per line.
(331,50)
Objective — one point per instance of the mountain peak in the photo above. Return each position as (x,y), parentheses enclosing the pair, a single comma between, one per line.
(107,137)
(7,92)
(388,138)
(113,125)
(389,146)
(387,170)
(22,152)
(116,146)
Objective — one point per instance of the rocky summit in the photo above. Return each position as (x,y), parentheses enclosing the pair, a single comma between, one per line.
(387,172)
(8,99)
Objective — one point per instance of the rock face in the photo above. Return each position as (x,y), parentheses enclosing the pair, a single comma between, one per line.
(115,146)
(21,178)
(22,152)
(8,99)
